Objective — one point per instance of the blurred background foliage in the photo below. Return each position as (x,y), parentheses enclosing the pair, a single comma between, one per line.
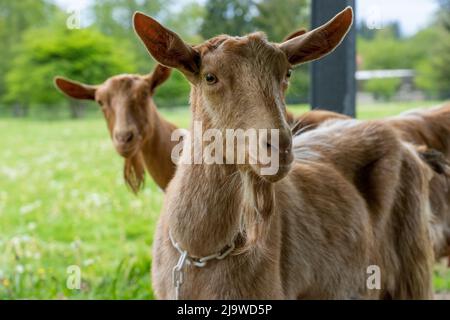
(62,196)
(37,45)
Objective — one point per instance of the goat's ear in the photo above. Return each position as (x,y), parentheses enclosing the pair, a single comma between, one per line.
(159,75)
(166,46)
(75,89)
(319,42)
(295,34)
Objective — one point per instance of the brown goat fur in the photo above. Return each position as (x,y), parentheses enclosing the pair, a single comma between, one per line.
(354,196)
(139,133)
(428,130)
(312,119)
(431,128)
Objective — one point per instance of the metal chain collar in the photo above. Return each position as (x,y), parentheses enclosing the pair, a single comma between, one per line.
(186,259)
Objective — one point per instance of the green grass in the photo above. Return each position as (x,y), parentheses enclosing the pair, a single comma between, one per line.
(63,202)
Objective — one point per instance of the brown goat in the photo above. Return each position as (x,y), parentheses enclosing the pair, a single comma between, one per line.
(355,196)
(138,131)
(312,119)
(429,128)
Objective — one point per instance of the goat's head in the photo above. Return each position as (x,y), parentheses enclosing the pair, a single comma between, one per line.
(126,104)
(240,82)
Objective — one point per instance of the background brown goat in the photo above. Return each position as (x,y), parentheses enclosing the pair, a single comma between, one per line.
(138,131)
(429,128)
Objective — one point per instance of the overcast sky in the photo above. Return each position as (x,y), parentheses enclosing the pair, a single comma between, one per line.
(412,14)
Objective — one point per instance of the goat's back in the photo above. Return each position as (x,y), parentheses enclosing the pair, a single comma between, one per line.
(429,127)
(389,175)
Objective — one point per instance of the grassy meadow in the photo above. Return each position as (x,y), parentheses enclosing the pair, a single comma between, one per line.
(63,202)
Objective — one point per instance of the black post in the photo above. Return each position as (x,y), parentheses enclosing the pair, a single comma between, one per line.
(333,84)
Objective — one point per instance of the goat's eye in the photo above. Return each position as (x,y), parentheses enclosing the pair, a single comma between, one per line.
(100,103)
(289,73)
(210,78)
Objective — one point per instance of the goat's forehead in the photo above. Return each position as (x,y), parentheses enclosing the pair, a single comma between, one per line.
(125,80)
(120,83)
(253,48)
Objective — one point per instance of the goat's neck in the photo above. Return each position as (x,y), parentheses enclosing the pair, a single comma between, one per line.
(157,148)
(207,203)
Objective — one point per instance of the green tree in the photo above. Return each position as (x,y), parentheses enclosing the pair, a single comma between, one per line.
(187,21)
(383,89)
(387,51)
(15,18)
(175,92)
(114,18)
(444,14)
(427,52)
(441,66)
(422,48)
(279,18)
(85,55)
(363,31)
(441,57)
(233,17)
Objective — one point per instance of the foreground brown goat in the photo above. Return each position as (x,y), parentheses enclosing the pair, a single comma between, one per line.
(355,196)
(139,133)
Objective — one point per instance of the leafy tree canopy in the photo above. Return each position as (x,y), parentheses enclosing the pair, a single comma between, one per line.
(85,55)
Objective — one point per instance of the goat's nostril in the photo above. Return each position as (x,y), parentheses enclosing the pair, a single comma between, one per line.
(124,137)
(129,137)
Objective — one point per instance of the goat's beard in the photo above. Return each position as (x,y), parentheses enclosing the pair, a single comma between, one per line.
(258,202)
(134,172)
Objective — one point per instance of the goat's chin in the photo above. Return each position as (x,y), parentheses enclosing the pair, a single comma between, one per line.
(271,175)
(127,151)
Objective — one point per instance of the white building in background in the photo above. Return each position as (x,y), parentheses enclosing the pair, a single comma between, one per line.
(406,92)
